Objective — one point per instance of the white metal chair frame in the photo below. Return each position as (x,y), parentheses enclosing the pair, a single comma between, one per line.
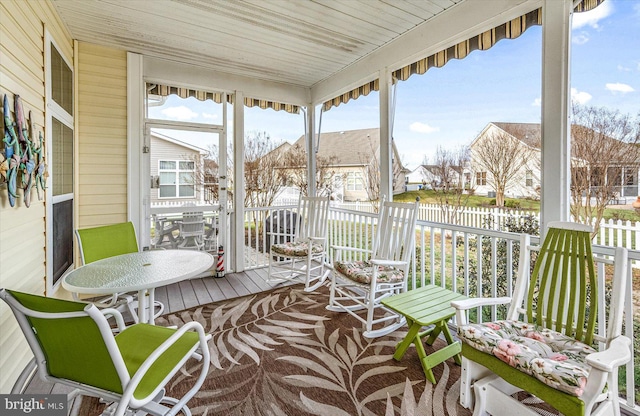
(153,402)
(192,232)
(492,393)
(393,246)
(311,228)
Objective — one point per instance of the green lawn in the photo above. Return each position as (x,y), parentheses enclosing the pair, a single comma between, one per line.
(430,197)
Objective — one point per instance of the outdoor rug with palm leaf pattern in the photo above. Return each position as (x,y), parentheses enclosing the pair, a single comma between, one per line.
(282,353)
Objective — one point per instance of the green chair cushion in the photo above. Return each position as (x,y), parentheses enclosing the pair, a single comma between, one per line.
(138,341)
(108,241)
(73,347)
(362,272)
(551,357)
(296,249)
(565,403)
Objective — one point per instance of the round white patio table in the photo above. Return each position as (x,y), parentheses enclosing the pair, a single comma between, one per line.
(142,272)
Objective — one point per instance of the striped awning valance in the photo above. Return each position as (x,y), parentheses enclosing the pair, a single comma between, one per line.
(353,94)
(485,40)
(182,92)
(264,104)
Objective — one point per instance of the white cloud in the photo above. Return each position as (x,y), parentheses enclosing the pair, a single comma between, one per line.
(580,97)
(210,116)
(180,113)
(624,68)
(618,87)
(580,39)
(592,17)
(537,102)
(422,128)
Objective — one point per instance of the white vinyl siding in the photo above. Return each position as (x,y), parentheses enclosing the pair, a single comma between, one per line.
(22,252)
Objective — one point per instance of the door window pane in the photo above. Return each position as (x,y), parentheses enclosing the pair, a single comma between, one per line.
(62,158)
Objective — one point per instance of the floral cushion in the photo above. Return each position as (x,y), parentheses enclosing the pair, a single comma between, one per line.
(296,248)
(553,358)
(362,271)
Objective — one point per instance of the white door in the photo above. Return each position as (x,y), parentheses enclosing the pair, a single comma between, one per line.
(185,175)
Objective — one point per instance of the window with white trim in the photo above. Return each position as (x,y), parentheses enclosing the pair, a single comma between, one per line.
(481,178)
(354,181)
(177,178)
(529,178)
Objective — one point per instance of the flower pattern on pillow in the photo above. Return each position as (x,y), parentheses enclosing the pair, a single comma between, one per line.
(553,358)
(296,248)
(362,272)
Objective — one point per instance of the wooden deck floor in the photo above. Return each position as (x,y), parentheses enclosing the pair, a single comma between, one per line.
(185,295)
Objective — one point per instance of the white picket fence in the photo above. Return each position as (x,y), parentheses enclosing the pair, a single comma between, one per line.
(613,233)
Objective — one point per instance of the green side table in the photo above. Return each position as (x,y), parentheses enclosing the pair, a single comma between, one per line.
(428,305)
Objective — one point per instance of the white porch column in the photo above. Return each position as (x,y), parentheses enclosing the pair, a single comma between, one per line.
(386,175)
(137,162)
(556,96)
(310,142)
(237,227)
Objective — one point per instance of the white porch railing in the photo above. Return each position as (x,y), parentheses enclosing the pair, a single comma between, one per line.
(614,233)
(451,256)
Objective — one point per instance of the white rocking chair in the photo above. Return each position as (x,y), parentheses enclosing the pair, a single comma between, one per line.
(304,256)
(363,283)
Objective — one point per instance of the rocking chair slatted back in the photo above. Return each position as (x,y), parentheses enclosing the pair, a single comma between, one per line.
(394,237)
(562,293)
(313,217)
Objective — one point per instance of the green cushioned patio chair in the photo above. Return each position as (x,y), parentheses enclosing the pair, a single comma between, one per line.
(305,256)
(555,342)
(98,243)
(73,344)
(363,278)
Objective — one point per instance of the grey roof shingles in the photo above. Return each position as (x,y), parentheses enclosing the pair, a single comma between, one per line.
(350,147)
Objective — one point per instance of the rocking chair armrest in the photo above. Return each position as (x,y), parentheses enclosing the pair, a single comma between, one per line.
(617,354)
(392,263)
(461,306)
(467,304)
(345,248)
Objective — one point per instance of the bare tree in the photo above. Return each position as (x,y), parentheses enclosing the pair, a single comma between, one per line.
(263,179)
(449,169)
(605,156)
(294,161)
(504,158)
(371,173)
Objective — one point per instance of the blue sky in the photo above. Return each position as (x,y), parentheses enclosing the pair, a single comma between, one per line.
(449,106)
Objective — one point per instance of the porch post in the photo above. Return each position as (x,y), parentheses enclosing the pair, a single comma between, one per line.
(556,105)
(237,228)
(385,164)
(137,164)
(310,140)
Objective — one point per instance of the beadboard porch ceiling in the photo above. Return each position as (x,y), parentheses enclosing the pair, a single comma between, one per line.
(296,42)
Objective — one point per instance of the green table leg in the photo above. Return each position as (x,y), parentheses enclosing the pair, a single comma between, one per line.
(401,348)
(450,341)
(422,355)
(435,332)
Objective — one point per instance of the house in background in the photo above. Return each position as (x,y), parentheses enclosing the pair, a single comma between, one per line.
(430,177)
(354,156)
(527,179)
(177,171)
